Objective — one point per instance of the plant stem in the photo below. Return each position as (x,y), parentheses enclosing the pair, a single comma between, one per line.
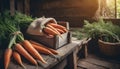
(21,37)
(12,41)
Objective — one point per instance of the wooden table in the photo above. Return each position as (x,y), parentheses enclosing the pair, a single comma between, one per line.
(67,57)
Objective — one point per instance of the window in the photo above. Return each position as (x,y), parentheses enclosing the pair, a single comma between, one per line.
(111,9)
(118,8)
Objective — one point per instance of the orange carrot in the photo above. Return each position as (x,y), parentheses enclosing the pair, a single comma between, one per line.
(59,30)
(54,29)
(7,56)
(17,57)
(49,31)
(52,50)
(28,46)
(42,49)
(58,26)
(23,52)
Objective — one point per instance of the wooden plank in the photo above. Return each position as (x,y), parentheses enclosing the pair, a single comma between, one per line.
(27,7)
(80,67)
(74,21)
(52,61)
(12,7)
(64,4)
(67,49)
(72,61)
(20,6)
(100,62)
(79,48)
(1,6)
(83,53)
(61,65)
(64,52)
(62,12)
(55,42)
(87,65)
(108,59)
(69,3)
(82,48)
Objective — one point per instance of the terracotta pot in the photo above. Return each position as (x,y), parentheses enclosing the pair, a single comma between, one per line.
(109,49)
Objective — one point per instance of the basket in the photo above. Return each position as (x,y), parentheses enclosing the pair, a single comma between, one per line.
(109,49)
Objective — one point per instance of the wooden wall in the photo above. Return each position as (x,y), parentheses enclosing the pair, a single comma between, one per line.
(73,11)
(114,21)
(15,5)
(4,4)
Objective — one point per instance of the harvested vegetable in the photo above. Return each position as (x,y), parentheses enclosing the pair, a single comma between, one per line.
(7,56)
(18,19)
(59,30)
(17,57)
(8,52)
(28,46)
(58,26)
(11,35)
(53,28)
(23,52)
(49,31)
(38,44)
(42,49)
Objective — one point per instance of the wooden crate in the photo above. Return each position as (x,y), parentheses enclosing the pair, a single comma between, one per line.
(55,42)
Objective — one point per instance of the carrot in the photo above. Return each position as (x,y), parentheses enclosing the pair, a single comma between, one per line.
(59,30)
(7,56)
(58,26)
(28,46)
(52,50)
(49,31)
(42,49)
(17,57)
(53,28)
(58,33)
(23,52)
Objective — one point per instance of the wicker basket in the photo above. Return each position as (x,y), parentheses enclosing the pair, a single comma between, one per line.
(109,49)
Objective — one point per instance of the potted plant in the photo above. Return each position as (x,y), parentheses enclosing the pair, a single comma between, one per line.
(106,33)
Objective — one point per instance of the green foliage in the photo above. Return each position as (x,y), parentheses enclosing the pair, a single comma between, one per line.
(77,33)
(22,18)
(10,24)
(106,31)
(118,8)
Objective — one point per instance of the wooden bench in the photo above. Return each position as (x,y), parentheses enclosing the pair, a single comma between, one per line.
(67,58)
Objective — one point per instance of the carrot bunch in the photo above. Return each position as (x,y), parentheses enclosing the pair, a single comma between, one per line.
(13,52)
(25,49)
(18,47)
(29,50)
(54,29)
